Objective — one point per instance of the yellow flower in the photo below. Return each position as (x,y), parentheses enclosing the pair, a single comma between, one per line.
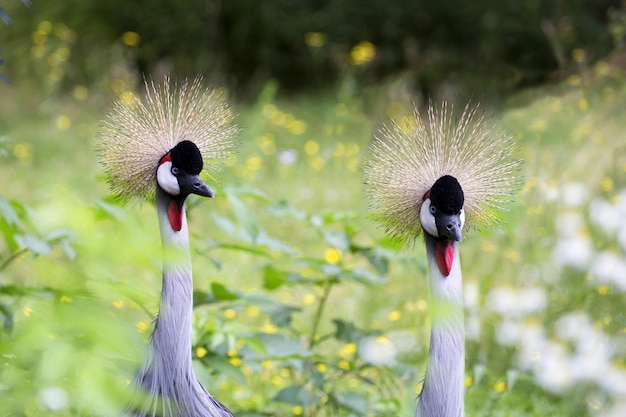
(131,38)
(315,39)
(345,365)
(201,352)
(63,122)
(235,362)
(308,299)
(253,311)
(487,246)
(512,255)
(607,184)
(142,326)
(44,27)
(118,304)
(65,299)
(574,80)
(362,53)
(318,163)
(81,92)
(311,147)
(500,387)
(230,314)
(347,351)
(468,381)
(23,150)
(604,290)
(394,315)
(579,55)
(332,255)
(297,127)
(268,327)
(321,367)
(602,68)
(583,104)
(297,410)
(28,311)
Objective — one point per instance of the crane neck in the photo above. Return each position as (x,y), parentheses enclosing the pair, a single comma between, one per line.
(443,391)
(172,332)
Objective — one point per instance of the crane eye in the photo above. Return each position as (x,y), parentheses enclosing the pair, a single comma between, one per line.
(174,170)
(433,209)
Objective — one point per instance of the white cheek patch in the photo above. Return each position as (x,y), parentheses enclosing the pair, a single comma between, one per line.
(166,180)
(462,218)
(427,219)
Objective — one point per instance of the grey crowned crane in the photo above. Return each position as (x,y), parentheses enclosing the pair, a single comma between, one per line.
(428,176)
(159,145)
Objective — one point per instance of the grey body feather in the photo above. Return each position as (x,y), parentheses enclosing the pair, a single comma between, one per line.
(167,384)
(443,391)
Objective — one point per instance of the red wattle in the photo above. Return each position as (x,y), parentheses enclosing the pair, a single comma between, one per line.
(166,158)
(175,215)
(444,256)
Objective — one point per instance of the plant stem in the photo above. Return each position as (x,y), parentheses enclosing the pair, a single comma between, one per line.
(318,313)
(11,258)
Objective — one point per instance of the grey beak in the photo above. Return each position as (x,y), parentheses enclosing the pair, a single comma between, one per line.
(449,226)
(193,184)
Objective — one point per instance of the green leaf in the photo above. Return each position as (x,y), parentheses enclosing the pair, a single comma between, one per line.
(245,217)
(8,212)
(33,244)
(353,401)
(248,191)
(274,278)
(282,315)
(222,366)
(6,317)
(296,395)
(220,292)
(225,224)
(282,346)
(338,240)
(202,297)
(345,331)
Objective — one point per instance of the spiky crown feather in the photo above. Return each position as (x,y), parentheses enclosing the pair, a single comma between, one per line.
(404,162)
(137,133)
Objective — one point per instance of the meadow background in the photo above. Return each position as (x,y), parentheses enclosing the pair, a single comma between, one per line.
(303,307)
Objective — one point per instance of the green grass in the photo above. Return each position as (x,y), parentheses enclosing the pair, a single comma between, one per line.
(85,328)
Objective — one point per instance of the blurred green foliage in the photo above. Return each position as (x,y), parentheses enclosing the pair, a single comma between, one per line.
(302,307)
(310,43)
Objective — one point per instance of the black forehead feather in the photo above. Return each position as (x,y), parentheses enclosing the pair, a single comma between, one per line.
(447,195)
(186,156)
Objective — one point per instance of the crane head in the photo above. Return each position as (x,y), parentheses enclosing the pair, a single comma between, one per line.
(441,214)
(179,170)
(442,217)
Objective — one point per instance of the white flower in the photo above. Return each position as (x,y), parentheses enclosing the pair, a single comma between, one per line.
(605,215)
(569,224)
(553,370)
(574,194)
(574,251)
(288,157)
(511,303)
(377,351)
(608,267)
(470,293)
(621,236)
(54,398)
(508,332)
(570,326)
(472,326)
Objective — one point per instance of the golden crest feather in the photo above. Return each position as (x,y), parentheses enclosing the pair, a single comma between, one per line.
(137,133)
(404,162)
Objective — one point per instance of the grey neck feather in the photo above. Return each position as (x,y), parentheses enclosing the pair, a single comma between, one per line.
(167,379)
(443,390)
